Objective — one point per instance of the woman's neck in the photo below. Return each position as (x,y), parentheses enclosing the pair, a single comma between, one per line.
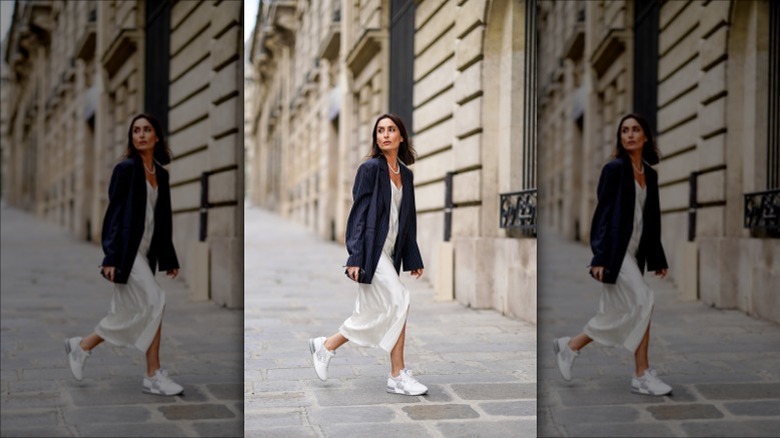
(146,157)
(391,157)
(636,158)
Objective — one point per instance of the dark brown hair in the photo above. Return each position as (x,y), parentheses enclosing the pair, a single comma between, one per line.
(650,151)
(406,152)
(162,153)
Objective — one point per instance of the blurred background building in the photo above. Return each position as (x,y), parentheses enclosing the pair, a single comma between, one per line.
(704,73)
(78,71)
(457,73)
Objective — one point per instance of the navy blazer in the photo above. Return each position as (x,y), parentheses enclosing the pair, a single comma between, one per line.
(369,220)
(613,220)
(123,224)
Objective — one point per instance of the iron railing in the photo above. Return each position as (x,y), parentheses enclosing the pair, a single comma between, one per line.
(762,211)
(518,210)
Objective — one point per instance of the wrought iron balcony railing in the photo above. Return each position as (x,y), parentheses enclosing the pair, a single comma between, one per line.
(762,211)
(518,210)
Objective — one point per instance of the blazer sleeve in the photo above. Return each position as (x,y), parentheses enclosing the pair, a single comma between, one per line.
(356,223)
(606,199)
(411,256)
(656,258)
(118,196)
(168,259)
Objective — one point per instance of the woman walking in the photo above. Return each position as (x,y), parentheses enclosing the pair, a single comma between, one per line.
(625,235)
(137,238)
(381,236)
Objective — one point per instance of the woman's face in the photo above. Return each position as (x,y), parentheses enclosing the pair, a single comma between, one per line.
(632,136)
(388,136)
(144,137)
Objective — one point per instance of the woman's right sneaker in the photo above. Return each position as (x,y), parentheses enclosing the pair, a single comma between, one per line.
(321,356)
(649,384)
(565,356)
(405,384)
(76,356)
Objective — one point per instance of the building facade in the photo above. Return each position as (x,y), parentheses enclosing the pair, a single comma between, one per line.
(700,72)
(454,71)
(81,70)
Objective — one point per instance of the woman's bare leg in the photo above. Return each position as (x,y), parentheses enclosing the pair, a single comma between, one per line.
(397,354)
(579,341)
(640,355)
(90,342)
(335,341)
(153,353)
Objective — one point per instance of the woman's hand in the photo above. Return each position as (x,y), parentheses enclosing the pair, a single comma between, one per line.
(353,272)
(108,272)
(417,273)
(597,272)
(662,272)
(172,272)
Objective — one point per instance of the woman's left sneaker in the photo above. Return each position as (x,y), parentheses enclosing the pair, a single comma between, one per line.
(649,384)
(405,384)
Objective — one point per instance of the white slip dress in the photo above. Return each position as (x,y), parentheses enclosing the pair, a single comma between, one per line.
(382,306)
(136,307)
(626,306)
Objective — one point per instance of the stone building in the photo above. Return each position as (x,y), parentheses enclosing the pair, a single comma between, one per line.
(81,70)
(455,73)
(700,72)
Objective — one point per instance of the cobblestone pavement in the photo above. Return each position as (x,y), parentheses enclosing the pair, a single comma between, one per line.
(480,366)
(723,365)
(51,289)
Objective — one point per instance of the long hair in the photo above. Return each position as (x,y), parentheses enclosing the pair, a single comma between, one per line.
(650,152)
(406,152)
(162,153)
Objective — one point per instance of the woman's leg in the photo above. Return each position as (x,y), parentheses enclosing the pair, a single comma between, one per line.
(335,341)
(90,342)
(640,355)
(579,341)
(153,353)
(397,354)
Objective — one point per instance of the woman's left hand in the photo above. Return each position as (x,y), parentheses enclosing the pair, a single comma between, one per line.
(172,272)
(661,272)
(417,273)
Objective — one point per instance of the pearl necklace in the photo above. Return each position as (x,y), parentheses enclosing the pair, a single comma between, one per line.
(639,171)
(151,172)
(394,171)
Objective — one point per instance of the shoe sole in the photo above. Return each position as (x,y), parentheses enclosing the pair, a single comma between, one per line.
(312,350)
(557,351)
(401,391)
(67,351)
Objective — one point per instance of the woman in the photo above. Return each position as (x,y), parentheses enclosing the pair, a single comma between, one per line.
(381,235)
(625,235)
(137,238)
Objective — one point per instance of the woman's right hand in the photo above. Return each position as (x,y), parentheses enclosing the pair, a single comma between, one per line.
(108,272)
(597,272)
(353,272)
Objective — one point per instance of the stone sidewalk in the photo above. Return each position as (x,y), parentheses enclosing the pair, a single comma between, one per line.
(51,289)
(723,365)
(480,366)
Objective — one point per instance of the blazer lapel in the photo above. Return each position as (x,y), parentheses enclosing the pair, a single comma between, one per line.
(406,200)
(384,186)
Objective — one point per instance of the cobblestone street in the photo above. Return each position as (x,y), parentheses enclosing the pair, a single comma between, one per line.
(480,366)
(51,289)
(723,366)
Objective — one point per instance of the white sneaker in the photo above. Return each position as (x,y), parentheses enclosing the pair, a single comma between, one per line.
(321,356)
(76,356)
(405,384)
(649,384)
(161,384)
(565,356)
